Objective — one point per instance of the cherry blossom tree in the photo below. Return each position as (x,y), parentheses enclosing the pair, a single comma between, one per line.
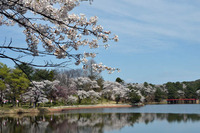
(82,95)
(50,88)
(63,93)
(67,85)
(71,100)
(35,94)
(52,25)
(94,96)
(114,91)
(146,91)
(39,91)
(85,83)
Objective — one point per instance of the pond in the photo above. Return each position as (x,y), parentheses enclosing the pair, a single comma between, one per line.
(179,118)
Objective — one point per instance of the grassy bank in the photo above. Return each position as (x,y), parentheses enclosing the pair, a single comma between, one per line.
(18,110)
(155,103)
(65,108)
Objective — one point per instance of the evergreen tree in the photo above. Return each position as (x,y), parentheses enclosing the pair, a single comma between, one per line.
(159,95)
(4,70)
(28,70)
(134,97)
(190,92)
(172,91)
(43,74)
(119,80)
(18,84)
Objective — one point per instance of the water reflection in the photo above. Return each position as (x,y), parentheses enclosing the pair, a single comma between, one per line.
(85,122)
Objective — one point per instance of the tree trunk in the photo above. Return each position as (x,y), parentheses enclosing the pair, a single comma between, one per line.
(2,99)
(34,104)
(1,102)
(14,102)
(30,103)
(79,100)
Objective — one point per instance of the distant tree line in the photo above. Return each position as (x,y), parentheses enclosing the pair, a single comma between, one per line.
(25,85)
(169,90)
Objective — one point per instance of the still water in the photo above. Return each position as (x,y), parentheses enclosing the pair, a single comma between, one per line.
(148,119)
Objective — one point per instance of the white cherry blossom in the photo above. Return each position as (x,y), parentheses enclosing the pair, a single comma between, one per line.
(51,24)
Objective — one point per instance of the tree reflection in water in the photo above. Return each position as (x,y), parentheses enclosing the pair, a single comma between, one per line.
(84,122)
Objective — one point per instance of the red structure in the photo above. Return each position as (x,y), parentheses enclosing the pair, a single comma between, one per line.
(182,101)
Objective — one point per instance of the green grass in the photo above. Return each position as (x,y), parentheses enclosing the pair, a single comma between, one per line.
(26,106)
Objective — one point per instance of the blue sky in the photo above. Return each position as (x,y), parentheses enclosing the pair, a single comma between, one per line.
(159,39)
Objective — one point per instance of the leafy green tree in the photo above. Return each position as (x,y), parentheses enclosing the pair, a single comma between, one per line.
(190,92)
(43,74)
(145,84)
(178,86)
(18,84)
(134,97)
(51,75)
(172,91)
(143,92)
(152,85)
(197,84)
(159,95)
(28,70)
(4,70)
(194,84)
(119,80)
(2,91)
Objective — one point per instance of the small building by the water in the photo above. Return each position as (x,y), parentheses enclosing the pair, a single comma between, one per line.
(183,101)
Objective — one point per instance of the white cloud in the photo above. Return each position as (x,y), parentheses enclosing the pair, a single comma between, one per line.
(151,21)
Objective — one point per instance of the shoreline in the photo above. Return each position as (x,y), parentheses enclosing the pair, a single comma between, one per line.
(43,110)
(66,108)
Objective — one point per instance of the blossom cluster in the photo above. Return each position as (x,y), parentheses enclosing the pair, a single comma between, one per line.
(82,94)
(53,25)
(72,99)
(100,67)
(114,89)
(39,90)
(85,82)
